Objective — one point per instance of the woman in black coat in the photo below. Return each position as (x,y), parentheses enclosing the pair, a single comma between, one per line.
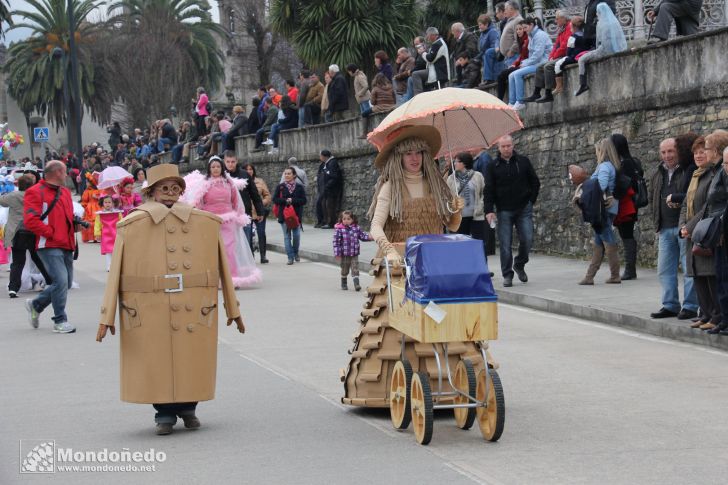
(632,168)
(289,193)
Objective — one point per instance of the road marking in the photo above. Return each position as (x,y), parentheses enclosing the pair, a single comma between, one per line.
(622,331)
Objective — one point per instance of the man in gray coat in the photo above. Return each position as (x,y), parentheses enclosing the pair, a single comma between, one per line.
(685,12)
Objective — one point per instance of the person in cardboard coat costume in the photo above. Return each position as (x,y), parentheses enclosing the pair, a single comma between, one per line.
(167,262)
(411,198)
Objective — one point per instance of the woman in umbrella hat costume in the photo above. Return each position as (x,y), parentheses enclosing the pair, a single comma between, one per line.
(411,198)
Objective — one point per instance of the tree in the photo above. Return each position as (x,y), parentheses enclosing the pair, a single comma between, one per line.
(443,13)
(37,66)
(346,31)
(5,16)
(162,51)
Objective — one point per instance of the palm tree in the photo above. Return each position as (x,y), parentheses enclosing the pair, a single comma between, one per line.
(4,16)
(173,43)
(36,66)
(346,31)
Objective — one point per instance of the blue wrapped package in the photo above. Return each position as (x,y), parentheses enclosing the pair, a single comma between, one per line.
(448,268)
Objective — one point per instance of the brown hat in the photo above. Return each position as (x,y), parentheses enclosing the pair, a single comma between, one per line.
(163,171)
(238,109)
(429,134)
(577,174)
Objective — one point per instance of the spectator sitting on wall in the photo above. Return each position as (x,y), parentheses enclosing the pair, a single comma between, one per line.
(522,37)
(546,73)
(574,46)
(610,40)
(686,14)
(254,123)
(420,65)
(239,127)
(405,64)
(591,18)
(287,120)
(304,82)
(498,58)
(500,15)
(325,98)
(271,117)
(539,46)
(469,75)
(437,56)
(489,38)
(465,43)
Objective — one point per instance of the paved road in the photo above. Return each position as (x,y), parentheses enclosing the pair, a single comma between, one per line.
(586,403)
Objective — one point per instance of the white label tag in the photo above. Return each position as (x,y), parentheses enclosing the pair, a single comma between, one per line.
(434,311)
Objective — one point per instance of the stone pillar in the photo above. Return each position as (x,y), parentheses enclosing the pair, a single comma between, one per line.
(639,20)
(538,9)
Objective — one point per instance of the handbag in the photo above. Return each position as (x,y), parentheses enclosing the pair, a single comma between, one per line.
(290,217)
(275,206)
(640,197)
(706,236)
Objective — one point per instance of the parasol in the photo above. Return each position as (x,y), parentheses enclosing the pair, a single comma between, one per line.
(112,176)
(467,119)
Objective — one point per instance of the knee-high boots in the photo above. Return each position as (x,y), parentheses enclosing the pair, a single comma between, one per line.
(594,265)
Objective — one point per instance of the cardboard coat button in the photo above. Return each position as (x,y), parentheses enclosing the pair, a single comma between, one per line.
(174,307)
(187,265)
(175,326)
(171,248)
(190,328)
(171,229)
(186,248)
(173,265)
(188,307)
(185,229)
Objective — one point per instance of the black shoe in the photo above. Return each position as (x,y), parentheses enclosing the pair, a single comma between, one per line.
(508,281)
(191,421)
(521,274)
(264,261)
(164,428)
(317,225)
(325,226)
(716,330)
(723,332)
(536,95)
(663,313)
(297,258)
(357,286)
(12,294)
(343,284)
(546,98)
(686,314)
(290,262)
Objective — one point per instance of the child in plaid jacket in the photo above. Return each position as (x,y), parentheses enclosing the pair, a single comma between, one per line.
(347,235)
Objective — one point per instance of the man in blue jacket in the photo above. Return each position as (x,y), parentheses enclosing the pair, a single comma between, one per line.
(539,48)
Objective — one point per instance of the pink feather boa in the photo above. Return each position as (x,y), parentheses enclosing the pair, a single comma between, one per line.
(197,186)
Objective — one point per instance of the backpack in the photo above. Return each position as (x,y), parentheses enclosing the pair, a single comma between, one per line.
(641,199)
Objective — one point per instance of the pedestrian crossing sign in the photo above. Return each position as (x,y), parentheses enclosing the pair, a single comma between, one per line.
(40,135)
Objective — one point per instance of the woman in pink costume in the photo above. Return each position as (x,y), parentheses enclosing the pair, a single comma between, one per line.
(129,199)
(218,193)
(105,225)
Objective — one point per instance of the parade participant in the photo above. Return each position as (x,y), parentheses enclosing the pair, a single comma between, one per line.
(129,199)
(90,203)
(169,321)
(347,235)
(411,198)
(217,192)
(105,225)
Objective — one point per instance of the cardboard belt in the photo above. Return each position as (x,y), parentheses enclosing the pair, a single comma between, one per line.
(169,283)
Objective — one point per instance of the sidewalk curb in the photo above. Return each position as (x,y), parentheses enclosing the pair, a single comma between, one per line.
(661,328)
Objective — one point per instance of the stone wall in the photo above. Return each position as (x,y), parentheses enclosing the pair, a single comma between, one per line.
(647,94)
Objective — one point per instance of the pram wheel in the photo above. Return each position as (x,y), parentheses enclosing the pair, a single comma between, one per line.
(491,418)
(399,395)
(464,382)
(421,403)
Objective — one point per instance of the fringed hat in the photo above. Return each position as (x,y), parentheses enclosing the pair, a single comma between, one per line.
(429,134)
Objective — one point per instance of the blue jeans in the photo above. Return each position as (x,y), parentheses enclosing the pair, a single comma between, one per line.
(607,234)
(177,152)
(515,83)
(523,220)
(274,130)
(59,265)
(259,230)
(291,240)
(164,141)
(670,254)
(301,117)
(492,67)
(410,90)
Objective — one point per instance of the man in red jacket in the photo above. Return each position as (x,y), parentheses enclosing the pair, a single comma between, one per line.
(546,73)
(48,213)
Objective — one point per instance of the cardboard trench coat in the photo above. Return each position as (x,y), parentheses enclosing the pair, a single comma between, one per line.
(168,338)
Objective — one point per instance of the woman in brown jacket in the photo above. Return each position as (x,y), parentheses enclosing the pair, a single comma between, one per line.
(267,199)
(701,268)
(382,94)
